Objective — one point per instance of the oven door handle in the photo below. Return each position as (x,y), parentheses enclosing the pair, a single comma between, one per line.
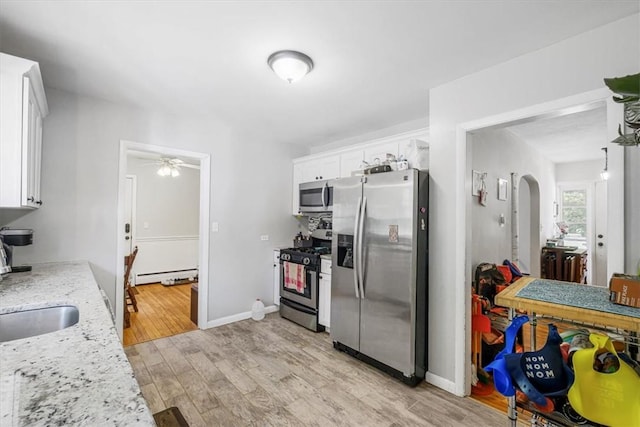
(356,278)
(363,212)
(297,306)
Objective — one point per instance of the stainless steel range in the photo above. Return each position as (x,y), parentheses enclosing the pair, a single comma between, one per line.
(299,281)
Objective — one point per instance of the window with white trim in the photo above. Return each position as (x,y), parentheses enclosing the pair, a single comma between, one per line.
(573,204)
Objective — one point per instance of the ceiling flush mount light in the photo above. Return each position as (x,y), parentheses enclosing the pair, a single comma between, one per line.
(605,172)
(290,65)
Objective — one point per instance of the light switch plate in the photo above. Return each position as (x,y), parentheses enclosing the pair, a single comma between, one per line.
(264,237)
(214,227)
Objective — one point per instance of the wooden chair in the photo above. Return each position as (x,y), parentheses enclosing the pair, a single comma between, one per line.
(128,265)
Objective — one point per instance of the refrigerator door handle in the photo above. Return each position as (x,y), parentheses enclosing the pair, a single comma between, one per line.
(356,280)
(363,212)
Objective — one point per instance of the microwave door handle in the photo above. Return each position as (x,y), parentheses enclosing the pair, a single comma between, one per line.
(363,212)
(324,190)
(356,280)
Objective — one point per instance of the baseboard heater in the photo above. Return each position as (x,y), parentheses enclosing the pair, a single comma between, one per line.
(173,277)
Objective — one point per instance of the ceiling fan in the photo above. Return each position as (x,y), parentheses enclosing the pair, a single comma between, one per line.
(171,166)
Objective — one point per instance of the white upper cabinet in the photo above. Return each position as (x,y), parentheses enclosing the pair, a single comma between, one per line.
(377,153)
(323,169)
(350,161)
(23,105)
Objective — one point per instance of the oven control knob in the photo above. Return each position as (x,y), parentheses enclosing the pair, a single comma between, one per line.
(285,257)
(306,261)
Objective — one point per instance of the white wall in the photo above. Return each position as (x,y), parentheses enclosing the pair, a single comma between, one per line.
(80,186)
(168,205)
(587,171)
(500,153)
(632,210)
(572,67)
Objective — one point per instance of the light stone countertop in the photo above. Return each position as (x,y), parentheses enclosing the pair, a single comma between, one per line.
(74,376)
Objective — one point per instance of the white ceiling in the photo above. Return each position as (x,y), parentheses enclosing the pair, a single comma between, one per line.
(374,60)
(567,138)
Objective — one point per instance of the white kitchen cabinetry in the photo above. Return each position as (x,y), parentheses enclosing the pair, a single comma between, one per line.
(324,304)
(350,161)
(380,151)
(23,105)
(276,276)
(340,163)
(322,168)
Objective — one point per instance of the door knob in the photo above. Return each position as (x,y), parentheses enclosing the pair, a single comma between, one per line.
(600,236)
(126,238)
(600,244)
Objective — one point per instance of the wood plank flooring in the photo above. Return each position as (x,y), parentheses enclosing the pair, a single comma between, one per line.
(276,373)
(163,311)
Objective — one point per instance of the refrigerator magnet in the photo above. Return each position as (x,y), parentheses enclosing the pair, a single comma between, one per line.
(393,234)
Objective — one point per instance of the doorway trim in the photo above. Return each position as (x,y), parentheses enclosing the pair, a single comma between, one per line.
(615,259)
(134,195)
(203,244)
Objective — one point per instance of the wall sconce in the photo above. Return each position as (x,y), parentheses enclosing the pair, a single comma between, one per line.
(605,172)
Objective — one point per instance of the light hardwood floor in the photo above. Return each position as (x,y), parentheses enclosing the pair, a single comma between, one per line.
(276,373)
(163,311)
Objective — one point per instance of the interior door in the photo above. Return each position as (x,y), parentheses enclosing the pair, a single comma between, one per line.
(129,203)
(599,276)
(345,303)
(387,331)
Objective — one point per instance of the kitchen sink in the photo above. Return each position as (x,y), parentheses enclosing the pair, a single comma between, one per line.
(38,321)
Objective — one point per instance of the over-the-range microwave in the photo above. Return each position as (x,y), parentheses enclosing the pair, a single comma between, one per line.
(316,196)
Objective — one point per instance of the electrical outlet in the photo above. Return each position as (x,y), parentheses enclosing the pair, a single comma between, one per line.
(264,237)
(145,225)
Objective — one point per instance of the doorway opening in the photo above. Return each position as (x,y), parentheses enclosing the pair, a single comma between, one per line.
(163,211)
(536,178)
(526,208)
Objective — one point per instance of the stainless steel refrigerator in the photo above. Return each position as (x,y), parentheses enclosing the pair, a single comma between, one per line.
(379,271)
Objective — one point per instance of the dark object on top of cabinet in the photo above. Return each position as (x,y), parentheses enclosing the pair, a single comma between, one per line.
(377,169)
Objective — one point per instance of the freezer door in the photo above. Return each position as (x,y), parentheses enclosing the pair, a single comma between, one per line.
(387,328)
(345,302)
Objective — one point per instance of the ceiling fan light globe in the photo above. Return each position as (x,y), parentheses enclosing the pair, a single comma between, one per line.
(164,170)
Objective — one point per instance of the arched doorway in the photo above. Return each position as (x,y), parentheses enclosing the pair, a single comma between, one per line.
(526,214)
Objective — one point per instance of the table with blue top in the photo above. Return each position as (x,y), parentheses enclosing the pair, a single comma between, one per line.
(571,301)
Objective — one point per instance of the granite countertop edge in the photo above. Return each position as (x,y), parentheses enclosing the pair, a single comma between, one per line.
(75,376)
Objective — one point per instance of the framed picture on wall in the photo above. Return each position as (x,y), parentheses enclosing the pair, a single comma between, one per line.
(503,186)
(476,182)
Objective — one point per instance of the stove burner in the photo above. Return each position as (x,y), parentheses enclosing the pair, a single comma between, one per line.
(309,257)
